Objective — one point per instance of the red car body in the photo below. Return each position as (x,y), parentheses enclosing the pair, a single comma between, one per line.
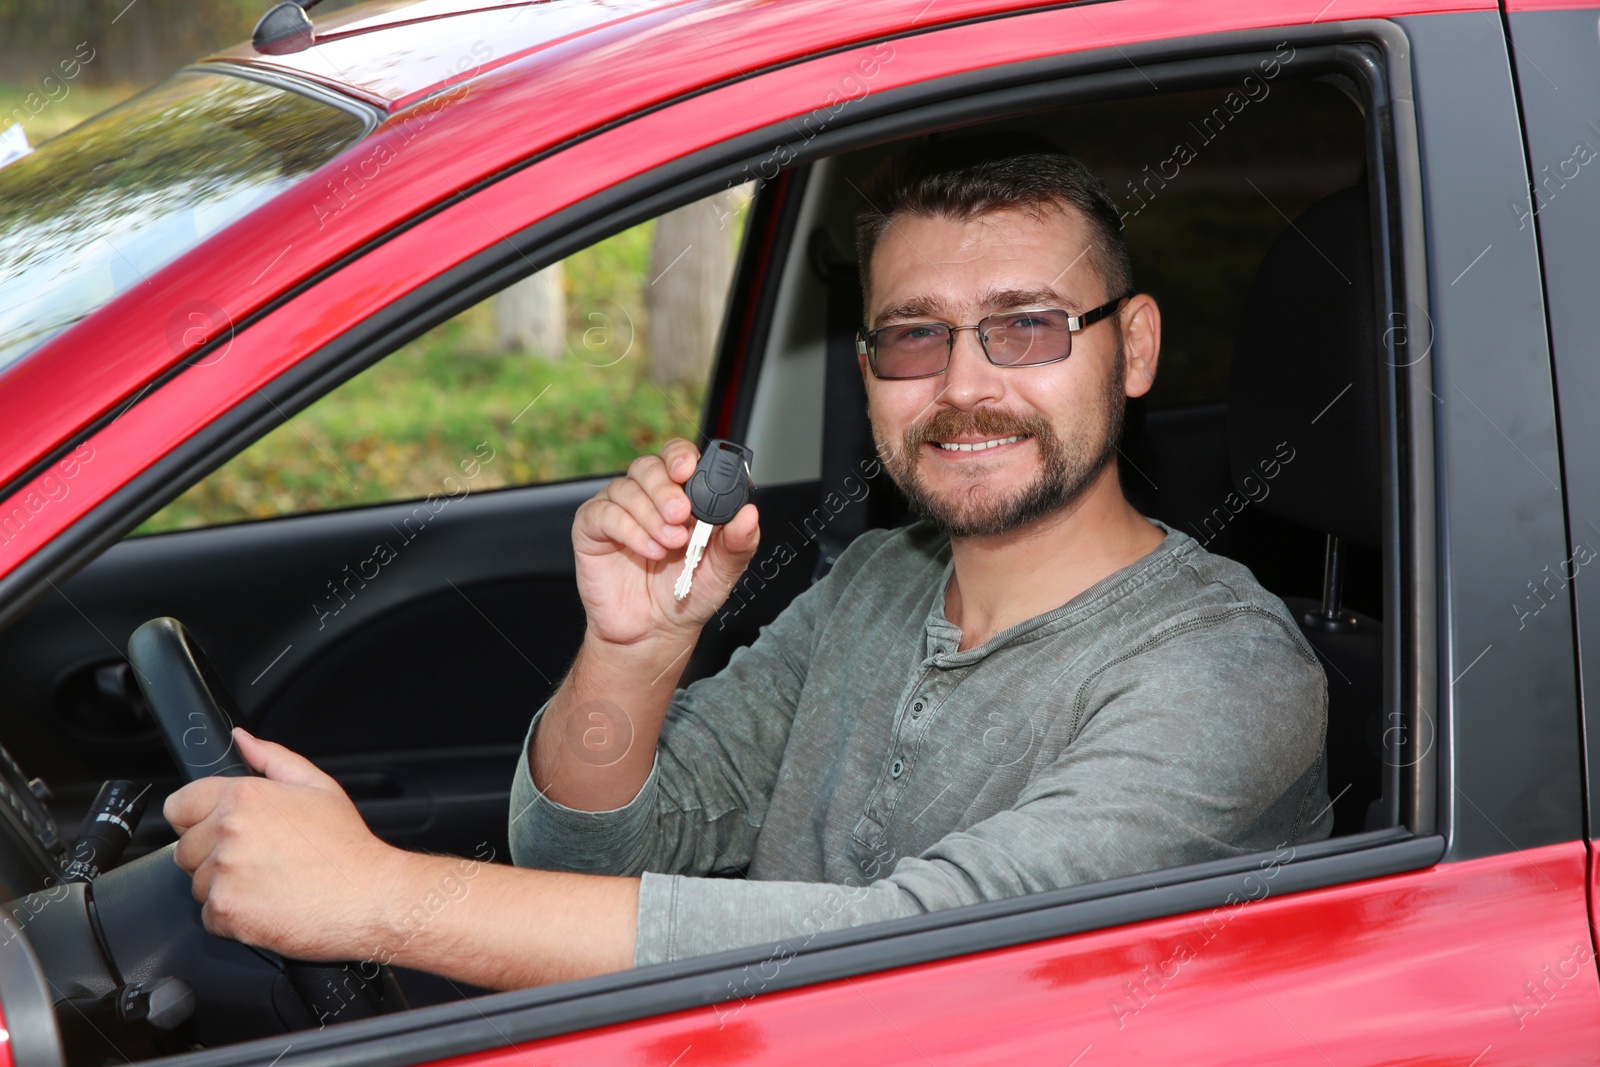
(1476,960)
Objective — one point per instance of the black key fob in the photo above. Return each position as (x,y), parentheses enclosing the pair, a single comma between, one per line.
(720,484)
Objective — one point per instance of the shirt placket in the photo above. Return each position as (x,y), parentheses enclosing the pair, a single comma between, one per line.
(876,856)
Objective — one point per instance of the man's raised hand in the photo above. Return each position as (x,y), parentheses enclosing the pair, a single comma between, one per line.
(629,542)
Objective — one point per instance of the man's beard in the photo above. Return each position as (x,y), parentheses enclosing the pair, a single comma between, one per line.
(1066,468)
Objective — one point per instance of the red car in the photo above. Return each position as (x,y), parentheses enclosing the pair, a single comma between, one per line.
(1372,224)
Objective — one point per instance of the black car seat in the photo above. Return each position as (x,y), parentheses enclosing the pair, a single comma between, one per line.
(1304,383)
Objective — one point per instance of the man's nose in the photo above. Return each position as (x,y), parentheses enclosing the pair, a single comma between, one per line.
(970,378)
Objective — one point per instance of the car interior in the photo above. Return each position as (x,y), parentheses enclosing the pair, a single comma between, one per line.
(1253,218)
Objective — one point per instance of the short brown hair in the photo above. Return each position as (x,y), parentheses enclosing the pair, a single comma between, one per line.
(964,178)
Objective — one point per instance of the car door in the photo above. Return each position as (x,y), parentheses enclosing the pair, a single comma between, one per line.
(1395,944)
(1323,952)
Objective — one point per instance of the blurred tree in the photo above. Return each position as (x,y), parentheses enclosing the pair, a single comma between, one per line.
(691,264)
(531,315)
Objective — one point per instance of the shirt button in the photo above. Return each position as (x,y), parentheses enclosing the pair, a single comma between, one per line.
(916,709)
(897,768)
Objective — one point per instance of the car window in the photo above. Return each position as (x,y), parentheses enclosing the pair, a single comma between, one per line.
(99,209)
(571,372)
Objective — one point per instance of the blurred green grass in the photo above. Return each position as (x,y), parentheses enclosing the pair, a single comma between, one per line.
(398,430)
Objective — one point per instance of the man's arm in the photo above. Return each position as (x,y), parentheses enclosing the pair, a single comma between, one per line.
(718,755)
(1206,746)
(285,862)
(585,800)
(595,744)
(1182,756)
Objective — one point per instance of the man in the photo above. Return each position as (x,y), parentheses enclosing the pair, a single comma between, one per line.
(1034,687)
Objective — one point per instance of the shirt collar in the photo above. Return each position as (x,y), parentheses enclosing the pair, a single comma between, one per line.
(942,638)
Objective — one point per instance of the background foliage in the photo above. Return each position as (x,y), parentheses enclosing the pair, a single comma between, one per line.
(398,430)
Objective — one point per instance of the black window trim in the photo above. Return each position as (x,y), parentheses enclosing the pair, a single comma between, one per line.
(493,1022)
(371,117)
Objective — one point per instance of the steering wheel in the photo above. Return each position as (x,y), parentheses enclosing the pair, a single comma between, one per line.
(195,713)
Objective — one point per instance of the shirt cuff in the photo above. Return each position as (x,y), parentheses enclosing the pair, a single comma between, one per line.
(682,916)
(551,836)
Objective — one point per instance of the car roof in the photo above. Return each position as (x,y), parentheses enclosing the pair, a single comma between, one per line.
(391,53)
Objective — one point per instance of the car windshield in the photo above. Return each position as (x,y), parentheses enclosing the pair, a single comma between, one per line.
(97,210)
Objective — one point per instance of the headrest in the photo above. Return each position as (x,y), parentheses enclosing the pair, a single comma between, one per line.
(1303,440)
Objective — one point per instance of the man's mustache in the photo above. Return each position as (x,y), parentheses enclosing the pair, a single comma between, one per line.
(983,422)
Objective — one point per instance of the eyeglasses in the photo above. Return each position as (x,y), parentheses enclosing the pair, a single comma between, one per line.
(1012,339)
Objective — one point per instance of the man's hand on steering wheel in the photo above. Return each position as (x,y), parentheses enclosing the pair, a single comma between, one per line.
(286,862)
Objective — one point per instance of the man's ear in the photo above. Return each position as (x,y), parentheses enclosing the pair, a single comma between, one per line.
(1140,320)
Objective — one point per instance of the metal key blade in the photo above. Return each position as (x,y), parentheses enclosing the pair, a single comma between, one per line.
(698,540)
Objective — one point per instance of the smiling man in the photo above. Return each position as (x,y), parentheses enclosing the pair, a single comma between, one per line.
(1034,687)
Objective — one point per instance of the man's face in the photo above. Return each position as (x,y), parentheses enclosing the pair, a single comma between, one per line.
(1057,424)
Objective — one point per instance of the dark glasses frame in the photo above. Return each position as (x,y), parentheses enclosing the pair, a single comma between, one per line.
(867,344)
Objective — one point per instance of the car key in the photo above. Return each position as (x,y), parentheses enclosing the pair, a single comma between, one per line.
(718,488)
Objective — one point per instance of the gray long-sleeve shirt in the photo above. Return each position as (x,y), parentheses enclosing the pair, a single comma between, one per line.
(854,766)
